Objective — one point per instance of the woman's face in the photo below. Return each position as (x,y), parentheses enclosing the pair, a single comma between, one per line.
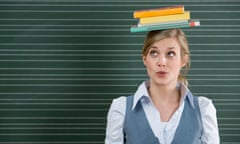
(163,61)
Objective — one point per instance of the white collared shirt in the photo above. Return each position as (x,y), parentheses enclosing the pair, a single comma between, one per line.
(164,131)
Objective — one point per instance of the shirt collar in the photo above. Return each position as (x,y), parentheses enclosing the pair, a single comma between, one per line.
(142,93)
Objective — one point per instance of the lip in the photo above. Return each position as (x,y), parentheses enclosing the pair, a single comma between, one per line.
(161,73)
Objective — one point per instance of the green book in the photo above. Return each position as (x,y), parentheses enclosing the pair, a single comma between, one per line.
(161,26)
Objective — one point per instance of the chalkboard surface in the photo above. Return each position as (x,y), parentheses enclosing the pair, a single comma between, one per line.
(63,61)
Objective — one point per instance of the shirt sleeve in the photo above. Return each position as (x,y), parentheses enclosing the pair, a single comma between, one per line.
(115,120)
(209,119)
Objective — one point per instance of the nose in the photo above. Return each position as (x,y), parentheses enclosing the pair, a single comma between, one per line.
(162,61)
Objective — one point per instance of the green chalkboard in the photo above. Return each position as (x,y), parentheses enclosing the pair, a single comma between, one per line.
(63,61)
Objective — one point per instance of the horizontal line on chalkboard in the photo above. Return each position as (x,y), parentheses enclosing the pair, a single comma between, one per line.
(41,118)
(231,135)
(104,11)
(112,75)
(66,19)
(111,69)
(107,79)
(96,100)
(215,51)
(105,50)
(53,103)
(94,19)
(107,29)
(82,54)
(69,25)
(49,109)
(89,93)
(67,85)
(232,94)
(87,61)
(1,68)
(43,29)
(228,110)
(109,36)
(124,1)
(214,55)
(214,69)
(88,79)
(113,44)
(112,5)
(55,99)
(55,142)
(112,61)
(230,104)
(231,142)
(51,128)
(229,118)
(91,25)
(60,99)
(69,103)
(113,54)
(51,124)
(104,99)
(52,134)
(85,50)
(227,100)
(228,124)
(79,110)
(69,44)
(215,61)
(99,85)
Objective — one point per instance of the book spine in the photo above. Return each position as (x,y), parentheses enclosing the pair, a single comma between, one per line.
(159,12)
(157,19)
(165,26)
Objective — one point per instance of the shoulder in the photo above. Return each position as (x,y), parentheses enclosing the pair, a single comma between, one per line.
(207,108)
(118,106)
(206,105)
(118,102)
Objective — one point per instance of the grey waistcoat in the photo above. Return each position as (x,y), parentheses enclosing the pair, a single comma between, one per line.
(138,131)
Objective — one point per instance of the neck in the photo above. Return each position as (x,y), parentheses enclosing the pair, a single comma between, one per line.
(164,93)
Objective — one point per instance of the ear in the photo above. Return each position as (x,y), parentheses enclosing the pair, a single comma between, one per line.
(184,60)
(144,60)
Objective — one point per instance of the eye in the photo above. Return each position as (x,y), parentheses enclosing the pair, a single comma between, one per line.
(171,53)
(153,53)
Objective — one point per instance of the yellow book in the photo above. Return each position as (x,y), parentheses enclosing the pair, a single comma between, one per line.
(166,18)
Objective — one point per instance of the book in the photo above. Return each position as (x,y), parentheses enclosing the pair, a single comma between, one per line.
(179,9)
(161,26)
(166,18)
(164,23)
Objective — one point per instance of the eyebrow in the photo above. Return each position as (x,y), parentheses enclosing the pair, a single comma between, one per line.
(171,47)
(167,48)
(153,47)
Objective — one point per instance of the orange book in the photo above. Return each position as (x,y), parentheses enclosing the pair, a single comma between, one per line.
(179,9)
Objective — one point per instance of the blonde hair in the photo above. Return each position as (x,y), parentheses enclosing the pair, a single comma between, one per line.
(157,35)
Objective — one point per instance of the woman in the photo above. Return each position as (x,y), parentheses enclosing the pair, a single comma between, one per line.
(163,110)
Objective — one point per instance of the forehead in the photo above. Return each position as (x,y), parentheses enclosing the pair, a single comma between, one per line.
(167,43)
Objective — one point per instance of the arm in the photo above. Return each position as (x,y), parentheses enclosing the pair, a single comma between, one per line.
(209,119)
(115,120)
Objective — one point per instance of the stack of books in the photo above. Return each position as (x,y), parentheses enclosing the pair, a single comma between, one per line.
(163,18)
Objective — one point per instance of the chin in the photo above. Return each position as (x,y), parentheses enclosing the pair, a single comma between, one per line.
(161,82)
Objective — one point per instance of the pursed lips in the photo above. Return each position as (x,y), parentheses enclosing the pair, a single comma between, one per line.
(161,73)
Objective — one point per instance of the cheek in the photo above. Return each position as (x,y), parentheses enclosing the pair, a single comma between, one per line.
(150,66)
(178,68)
